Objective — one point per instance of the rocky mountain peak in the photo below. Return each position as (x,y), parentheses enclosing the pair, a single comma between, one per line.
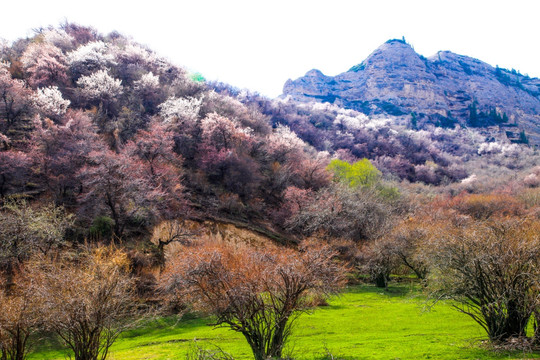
(440,90)
(314,73)
(393,53)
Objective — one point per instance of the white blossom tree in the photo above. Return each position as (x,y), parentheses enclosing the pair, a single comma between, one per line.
(100,85)
(147,82)
(50,102)
(180,109)
(59,38)
(89,58)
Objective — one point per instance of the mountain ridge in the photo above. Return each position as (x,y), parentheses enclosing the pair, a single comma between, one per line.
(440,90)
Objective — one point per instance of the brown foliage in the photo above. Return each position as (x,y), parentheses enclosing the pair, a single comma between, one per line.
(19,319)
(258,293)
(86,300)
(484,206)
(491,270)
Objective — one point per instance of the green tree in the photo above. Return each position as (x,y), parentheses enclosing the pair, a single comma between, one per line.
(523,137)
(414,121)
(197,77)
(360,174)
(473,115)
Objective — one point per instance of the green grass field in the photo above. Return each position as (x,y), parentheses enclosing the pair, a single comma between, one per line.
(363,323)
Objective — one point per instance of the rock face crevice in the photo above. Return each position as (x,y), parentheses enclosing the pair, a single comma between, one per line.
(397,81)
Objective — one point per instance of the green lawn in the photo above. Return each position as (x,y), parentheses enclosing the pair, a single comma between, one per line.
(363,323)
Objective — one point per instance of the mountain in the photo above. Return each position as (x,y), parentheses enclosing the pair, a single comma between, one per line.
(445,89)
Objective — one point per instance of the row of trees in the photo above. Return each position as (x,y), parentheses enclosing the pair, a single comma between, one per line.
(86,295)
(480,251)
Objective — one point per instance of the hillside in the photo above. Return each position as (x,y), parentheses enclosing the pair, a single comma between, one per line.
(80,106)
(445,89)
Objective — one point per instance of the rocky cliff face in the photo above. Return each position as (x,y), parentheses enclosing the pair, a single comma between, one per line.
(443,90)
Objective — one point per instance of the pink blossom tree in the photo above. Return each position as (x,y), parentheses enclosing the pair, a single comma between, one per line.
(15,100)
(225,154)
(45,64)
(15,170)
(114,186)
(159,165)
(60,150)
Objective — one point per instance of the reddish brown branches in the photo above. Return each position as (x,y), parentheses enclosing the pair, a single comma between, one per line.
(257,293)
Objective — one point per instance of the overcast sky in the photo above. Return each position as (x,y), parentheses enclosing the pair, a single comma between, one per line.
(259,44)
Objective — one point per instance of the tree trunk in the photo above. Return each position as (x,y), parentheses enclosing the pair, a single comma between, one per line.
(276,346)
(10,275)
(381,280)
(258,353)
(516,322)
(257,346)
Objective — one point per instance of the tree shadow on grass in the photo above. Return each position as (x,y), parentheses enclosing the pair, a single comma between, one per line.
(393,290)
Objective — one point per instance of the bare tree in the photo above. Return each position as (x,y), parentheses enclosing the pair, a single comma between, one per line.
(25,230)
(378,259)
(19,319)
(171,231)
(87,301)
(491,269)
(408,239)
(257,293)
(340,211)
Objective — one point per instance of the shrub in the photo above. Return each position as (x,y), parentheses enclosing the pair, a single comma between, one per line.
(87,302)
(360,173)
(484,206)
(491,270)
(257,293)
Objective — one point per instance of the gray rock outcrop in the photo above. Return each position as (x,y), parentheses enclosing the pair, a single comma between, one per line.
(395,80)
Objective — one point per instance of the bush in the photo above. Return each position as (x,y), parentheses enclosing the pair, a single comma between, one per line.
(491,270)
(102,227)
(87,302)
(257,293)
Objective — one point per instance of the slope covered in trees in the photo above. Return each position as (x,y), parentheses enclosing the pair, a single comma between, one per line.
(79,107)
(107,128)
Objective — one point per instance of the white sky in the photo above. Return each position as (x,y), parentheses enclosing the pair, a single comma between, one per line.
(258,44)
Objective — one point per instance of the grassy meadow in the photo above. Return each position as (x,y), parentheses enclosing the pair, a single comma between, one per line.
(362,323)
